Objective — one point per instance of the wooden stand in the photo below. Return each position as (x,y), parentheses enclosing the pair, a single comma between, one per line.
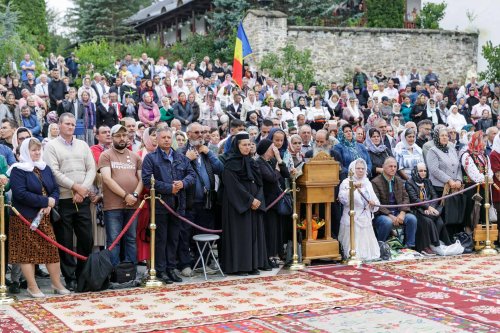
(480,236)
(317,187)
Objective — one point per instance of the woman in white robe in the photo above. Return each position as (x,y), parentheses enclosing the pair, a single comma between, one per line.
(367,247)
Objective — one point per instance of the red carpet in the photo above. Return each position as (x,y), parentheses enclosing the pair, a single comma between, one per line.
(481,307)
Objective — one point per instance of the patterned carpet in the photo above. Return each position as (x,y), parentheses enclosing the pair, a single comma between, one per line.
(460,294)
(190,304)
(430,283)
(384,317)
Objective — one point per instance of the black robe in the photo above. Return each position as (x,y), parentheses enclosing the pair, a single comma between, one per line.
(273,225)
(243,239)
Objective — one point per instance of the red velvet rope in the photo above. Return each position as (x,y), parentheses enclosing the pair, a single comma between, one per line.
(70,252)
(183,219)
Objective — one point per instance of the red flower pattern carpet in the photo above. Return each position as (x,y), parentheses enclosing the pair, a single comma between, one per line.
(431,283)
(392,316)
(141,309)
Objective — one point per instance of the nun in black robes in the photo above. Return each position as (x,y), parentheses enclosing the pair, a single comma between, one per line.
(271,178)
(243,207)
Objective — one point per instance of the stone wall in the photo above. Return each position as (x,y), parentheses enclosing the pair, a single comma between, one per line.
(335,51)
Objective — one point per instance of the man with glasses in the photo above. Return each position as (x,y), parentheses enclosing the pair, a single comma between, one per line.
(121,174)
(200,198)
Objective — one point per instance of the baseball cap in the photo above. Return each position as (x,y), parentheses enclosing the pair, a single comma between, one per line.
(116,128)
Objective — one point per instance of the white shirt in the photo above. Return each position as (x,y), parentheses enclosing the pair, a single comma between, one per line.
(190,75)
(42,89)
(392,93)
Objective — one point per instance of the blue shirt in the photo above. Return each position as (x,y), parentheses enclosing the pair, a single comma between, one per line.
(8,154)
(24,73)
(136,70)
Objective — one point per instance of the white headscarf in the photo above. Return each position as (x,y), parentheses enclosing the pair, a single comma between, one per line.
(496,144)
(25,162)
(352,167)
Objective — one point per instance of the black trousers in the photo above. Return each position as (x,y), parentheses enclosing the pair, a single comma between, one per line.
(79,222)
(167,241)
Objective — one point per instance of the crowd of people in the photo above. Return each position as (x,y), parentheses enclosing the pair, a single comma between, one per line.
(81,159)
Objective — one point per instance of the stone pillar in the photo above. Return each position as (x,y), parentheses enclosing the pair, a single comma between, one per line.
(266,31)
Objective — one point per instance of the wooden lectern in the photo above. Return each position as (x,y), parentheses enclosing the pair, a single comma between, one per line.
(317,187)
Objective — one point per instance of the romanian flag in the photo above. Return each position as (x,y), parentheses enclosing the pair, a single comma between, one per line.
(242,49)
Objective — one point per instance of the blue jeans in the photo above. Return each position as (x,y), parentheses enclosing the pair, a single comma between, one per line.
(383,226)
(115,220)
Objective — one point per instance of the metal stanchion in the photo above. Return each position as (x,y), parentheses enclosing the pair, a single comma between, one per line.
(295,266)
(352,252)
(488,250)
(4,298)
(152,280)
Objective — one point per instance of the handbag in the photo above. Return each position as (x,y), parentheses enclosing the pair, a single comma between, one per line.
(285,205)
(124,272)
(54,215)
(492,212)
(465,240)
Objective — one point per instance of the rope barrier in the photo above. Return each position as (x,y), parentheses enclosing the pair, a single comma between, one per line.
(70,252)
(272,204)
(183,219)
(422,202)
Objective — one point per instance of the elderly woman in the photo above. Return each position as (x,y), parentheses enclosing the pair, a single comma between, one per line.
(34,193)
(273,172)
(53,132)
(455,119)
(475,165)
(407,153)
(149,113)
(430,225)
(367,247)
(349,150)
(243,241)
(352,113)
(106,113)
(377,150)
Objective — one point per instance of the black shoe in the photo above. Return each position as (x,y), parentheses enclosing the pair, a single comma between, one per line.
(272,263)
(242,273)
(14,288)
(163,277)
(8,282)
(41,274)
(172,276)
(267,269)
(254,272)
(23,284)
(71,285)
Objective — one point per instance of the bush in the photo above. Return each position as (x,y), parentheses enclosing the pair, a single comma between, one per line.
(492,55)
(290,65)
(385,13)
(95,57)
(430,15)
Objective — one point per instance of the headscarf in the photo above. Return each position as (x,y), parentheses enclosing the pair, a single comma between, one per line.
(432,111)
(283,148)
(476,144)
(437,143)
(148,106)
(371,146)
(352,167)
(146,139)
(49,136)
(354,111)
(26,163)
(52,117)
(350,145)
(239,164)
(496,144)
(370,122)
(405,143)
(419,180)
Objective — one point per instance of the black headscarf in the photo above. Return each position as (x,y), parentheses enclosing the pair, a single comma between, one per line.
(243,166)
(437,143)
(420,182)
(283,148)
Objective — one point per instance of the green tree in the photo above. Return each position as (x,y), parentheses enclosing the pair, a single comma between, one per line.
(311,12)
(227,15)
(430,15)
(12,46)
(290,65)
(385,13)
(103,19)
(492,55)
(95,56)
(32,23)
